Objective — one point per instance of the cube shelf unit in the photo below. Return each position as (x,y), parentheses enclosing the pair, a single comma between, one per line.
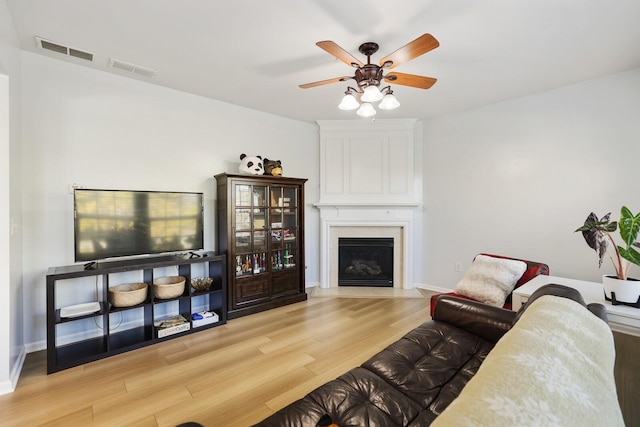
(106,338)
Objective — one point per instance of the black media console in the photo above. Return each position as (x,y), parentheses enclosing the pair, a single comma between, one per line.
(109,336)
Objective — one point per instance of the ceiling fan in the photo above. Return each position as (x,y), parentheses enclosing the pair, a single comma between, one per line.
(369,76)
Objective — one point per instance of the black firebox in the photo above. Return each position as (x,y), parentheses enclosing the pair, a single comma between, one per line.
(365,261)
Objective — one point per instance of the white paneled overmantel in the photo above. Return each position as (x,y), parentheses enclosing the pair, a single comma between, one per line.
(370,186)
(369,162)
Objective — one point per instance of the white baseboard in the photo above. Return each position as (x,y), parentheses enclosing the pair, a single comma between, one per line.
(35,346)
(432,288)
(9,385)
(415,286)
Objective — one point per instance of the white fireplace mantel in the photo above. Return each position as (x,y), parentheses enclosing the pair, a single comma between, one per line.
(370,186)
(390,221)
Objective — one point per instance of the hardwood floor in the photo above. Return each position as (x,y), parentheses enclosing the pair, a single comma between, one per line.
(233,375)
(239,373)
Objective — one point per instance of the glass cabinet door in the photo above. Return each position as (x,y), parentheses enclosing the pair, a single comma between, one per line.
(243,195)
(250,229)
(283,214)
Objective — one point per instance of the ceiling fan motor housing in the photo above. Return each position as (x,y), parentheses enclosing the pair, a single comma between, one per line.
(369,75)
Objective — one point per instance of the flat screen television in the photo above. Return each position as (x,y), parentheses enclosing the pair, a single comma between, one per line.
(117,223)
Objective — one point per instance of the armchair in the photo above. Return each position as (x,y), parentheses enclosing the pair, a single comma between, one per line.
(533,269)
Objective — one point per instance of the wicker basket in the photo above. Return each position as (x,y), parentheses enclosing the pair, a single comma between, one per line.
(201,283)
(168,287)
(128,294)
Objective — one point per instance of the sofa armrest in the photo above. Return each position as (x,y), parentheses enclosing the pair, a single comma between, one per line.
(488,322)
(598,309)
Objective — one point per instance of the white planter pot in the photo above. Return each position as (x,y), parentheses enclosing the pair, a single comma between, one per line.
(621,291)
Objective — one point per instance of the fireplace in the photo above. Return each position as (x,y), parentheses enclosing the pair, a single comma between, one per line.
(370,187)
(365,262)
(345,228)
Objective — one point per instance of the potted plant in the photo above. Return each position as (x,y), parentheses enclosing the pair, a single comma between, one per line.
(598,235)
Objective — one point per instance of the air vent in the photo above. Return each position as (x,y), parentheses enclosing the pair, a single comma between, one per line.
(65,50)
(131,68)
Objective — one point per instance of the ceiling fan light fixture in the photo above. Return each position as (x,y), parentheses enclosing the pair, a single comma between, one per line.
(389,102)
(349,102)
(369,76)
(371,94)
(366,110)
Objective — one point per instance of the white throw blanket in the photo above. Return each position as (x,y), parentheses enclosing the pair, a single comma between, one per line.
(553,368)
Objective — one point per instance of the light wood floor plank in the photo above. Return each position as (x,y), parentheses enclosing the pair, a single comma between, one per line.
(80,417)
(284,397)
(120,409)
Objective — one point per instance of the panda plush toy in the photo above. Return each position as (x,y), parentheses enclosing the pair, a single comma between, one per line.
(251,165)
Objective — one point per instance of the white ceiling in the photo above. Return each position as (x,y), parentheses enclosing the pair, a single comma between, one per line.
(255,53)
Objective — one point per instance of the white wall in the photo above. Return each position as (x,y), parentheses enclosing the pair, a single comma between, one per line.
(11,335)
(105,131)
(517,178)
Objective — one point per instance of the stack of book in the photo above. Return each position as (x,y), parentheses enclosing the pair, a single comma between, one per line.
(171,325)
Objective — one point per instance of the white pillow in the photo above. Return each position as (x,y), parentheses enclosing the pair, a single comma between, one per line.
(490,280)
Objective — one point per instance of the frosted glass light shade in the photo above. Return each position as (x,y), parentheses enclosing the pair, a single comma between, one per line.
(366,110)
(389,102)
(371,94)
(349,102)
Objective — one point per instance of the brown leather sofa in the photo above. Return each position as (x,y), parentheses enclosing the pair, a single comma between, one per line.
(413,380)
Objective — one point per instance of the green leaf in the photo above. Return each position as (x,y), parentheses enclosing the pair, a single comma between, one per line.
(611,227)
(630,255)
(629,226)
(598,225)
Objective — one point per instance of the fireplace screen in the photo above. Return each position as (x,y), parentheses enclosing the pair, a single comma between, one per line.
(365,262)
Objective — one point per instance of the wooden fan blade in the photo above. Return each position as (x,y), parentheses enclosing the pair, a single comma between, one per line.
(411,50)
(339,53)
(412,80)
(325,82)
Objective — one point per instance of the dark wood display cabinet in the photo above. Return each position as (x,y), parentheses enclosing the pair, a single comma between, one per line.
(84,337)
(260,227)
